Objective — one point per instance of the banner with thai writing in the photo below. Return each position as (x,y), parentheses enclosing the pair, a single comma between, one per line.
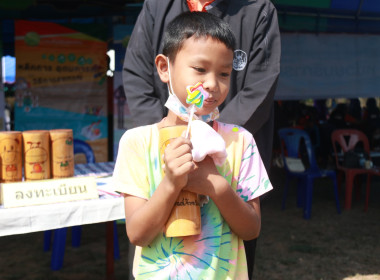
(323,66)
(61,82)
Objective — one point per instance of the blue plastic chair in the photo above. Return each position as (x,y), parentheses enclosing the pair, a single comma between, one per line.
(81,147)
(59,242)
(291,140)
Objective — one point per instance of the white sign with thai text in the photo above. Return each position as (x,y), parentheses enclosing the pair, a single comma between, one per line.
(48,191)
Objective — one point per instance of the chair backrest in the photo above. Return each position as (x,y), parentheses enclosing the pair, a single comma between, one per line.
(347,140)
(81,147)
(291,139)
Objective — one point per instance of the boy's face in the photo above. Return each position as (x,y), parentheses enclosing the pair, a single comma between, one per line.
(204,60)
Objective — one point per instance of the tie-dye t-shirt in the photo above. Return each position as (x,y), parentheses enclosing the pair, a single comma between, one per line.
(216,253)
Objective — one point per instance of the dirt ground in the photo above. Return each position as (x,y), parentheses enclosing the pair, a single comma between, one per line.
(329,246)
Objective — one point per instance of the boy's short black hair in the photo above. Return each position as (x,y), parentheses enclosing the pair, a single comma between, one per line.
(197,24)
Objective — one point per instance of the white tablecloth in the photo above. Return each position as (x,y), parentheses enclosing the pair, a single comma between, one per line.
(44,217)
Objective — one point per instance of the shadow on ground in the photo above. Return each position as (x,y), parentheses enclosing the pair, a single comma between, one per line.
(328,246)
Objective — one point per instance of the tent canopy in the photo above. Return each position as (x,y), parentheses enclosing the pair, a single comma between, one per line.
(332,16)
(355,16)
(64,9)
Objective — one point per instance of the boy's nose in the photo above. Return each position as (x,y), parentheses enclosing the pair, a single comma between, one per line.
(210,84)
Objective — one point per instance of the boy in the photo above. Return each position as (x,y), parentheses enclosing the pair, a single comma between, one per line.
(198,47)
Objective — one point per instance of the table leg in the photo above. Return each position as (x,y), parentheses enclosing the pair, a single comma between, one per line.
(110,273)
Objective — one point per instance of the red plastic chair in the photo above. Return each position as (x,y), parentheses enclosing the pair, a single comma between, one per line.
(347,140)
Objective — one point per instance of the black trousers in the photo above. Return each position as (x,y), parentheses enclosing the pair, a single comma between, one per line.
(250,249)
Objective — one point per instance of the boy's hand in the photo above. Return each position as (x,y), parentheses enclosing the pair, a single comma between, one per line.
(205,179)
(178,161)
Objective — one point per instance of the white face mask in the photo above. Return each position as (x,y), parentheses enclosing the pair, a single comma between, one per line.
(176,106)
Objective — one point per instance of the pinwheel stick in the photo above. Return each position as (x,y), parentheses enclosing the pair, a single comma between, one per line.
(192,110)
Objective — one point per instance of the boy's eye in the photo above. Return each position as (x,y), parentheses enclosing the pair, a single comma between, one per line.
(200,70)
(225,74)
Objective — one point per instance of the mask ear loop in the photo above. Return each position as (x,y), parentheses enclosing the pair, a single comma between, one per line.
(170,88)
(172,92)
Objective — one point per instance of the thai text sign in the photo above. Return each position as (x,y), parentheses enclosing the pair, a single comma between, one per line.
(48,191)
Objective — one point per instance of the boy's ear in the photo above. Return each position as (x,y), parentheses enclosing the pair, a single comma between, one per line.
(162,67)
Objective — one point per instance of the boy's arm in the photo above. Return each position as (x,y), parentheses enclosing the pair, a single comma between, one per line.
(146,218)
(244,218)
